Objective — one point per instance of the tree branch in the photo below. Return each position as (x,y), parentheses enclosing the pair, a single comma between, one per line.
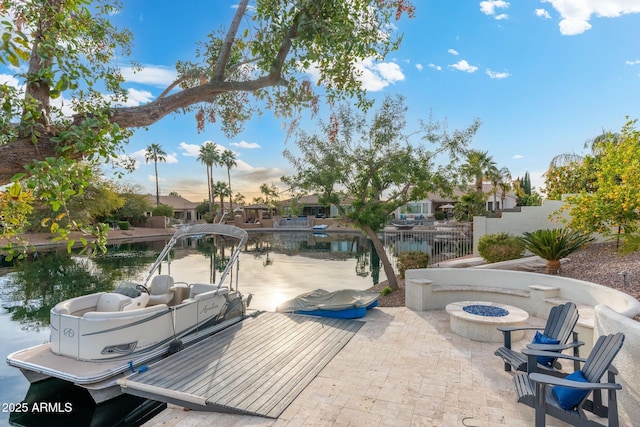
(225,52)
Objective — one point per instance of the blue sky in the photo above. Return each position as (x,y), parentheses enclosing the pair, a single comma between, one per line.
(543,76)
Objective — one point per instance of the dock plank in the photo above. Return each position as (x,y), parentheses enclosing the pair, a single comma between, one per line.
(257,366)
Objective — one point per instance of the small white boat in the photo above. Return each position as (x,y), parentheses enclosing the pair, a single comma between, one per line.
(100,337)
(320,227)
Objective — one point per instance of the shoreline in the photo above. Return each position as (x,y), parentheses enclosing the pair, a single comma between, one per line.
(44,240)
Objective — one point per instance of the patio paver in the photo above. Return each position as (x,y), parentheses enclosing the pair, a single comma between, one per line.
(402,368)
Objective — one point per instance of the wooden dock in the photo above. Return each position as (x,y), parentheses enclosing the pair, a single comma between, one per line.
(255,367)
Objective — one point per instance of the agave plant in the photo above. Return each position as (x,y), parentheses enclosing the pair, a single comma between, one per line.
(554,244)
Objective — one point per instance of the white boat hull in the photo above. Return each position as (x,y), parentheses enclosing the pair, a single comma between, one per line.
(95,335)
(98,338)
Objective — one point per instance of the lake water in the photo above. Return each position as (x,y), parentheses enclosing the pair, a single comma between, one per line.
(274,267)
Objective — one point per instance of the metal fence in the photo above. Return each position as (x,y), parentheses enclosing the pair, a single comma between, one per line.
(441,242)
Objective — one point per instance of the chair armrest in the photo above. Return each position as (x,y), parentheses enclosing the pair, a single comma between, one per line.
(517,328)
(554,347)
(551,380)
(536,353)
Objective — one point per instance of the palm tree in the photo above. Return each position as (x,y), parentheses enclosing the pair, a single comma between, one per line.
(478,165)
(500,178)
(210,156)
(220,189)
(554,244)
(156,153)
(228,159)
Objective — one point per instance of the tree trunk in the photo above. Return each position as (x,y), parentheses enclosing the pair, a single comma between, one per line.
(553,266)
(230,194)
(157,184)
(386,264)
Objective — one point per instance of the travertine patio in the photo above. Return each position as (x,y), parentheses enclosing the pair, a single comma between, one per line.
(403,368)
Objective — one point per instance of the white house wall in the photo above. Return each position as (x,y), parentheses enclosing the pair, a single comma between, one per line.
(530,218)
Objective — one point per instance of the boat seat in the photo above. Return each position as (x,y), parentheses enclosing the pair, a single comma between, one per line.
(112,302)
(161,290)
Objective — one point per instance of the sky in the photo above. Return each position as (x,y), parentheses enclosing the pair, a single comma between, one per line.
(543,77)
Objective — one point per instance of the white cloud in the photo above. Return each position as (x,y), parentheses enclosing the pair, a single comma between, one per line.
(419,67)
(636,62)
(435,67)
(463,65)
(577,13)
(377,76)
(139,157)
(150,75)
(189,150)
(518,157)
(374,76)
(542,13)
(489,7)
(453,52)
(193,150)
(245,144)
(138,97)
(571,27)
(9,80)
(496,75)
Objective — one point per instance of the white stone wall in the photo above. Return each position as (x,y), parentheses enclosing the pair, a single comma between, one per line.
(530,218)
(608,321)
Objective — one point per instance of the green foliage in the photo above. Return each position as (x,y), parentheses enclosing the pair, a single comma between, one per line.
(525,184)
(73,54)
(134,209)
(163,210)
(124,225)
(16,204)
(612,206)
(470,205)
(500,247)
(555,243)
(368,169)
(386,291)
(411,260)
(439,216)
(478,165)
(533,199)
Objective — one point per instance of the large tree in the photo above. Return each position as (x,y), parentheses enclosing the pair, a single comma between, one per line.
(479,164)
(228,159)
(501,183)
(611,205)
(210,156)
(369,169)
(67,49)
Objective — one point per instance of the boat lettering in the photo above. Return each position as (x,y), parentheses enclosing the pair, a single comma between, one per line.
(208,308)
(68,332)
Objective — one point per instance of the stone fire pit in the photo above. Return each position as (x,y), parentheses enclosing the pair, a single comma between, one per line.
(479,320)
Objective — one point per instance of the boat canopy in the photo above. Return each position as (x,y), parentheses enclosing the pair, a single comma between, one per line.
(194,230)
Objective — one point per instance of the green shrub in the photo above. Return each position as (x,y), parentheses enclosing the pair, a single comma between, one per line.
(500,247)
(386,291)
(439,216)
(410,260)
(124,225)
(163,210)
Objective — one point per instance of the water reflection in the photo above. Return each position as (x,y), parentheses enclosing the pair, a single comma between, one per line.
(273,267)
